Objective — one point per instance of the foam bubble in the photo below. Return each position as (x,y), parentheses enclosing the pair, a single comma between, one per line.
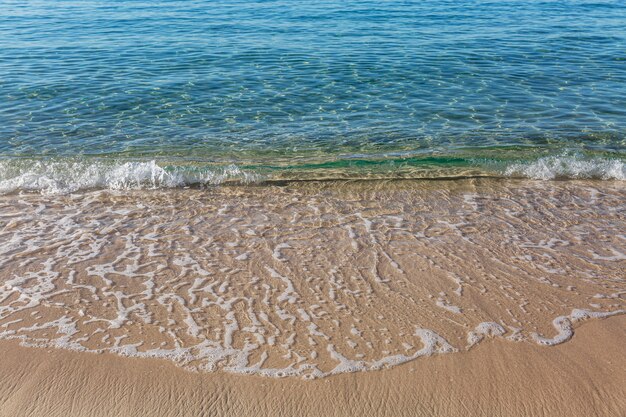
(483,330)
(71,175)
(161,275)
(569,166)
(564,325)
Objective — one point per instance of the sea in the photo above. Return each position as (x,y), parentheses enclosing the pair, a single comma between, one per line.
(300,189)
(137,94)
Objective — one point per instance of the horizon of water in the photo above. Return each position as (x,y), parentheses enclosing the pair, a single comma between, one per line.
(170,93)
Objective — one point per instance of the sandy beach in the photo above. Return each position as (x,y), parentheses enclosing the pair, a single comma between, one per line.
(323,208)
(473,297)
(584,377)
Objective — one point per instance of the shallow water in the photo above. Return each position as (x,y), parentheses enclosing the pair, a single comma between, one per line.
(311,279)
(323,89)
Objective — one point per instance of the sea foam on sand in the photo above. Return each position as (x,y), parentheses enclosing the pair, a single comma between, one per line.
(310,280)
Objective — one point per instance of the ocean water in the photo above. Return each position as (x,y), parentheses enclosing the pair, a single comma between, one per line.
(169,93)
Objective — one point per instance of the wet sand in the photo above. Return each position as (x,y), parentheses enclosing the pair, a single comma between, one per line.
(584,377)
(372,298)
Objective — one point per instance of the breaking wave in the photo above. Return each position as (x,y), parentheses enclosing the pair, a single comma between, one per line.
(60,176)
(55,177)
(568,166)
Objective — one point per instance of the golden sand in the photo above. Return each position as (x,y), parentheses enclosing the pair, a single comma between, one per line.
(394,298)
(585,377)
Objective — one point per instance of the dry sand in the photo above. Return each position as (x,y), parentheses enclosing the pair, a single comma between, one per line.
(583,377)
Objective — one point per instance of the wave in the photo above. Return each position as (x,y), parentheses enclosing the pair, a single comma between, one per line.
(567,166)
(67,176)
(60,176)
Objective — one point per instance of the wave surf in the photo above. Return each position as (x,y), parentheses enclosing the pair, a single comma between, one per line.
(66,175)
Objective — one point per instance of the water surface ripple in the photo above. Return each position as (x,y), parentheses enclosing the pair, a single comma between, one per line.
(310,86)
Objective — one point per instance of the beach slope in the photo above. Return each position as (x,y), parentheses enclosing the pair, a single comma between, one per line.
(584,377)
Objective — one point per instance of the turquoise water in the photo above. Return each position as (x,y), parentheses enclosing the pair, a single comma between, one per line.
(177,92)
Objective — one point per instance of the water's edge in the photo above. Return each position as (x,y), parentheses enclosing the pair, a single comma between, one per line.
(62,175)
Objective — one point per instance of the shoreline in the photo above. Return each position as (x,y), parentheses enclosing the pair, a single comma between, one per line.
(316,280)
(310,281)
(64,175)
(583,377)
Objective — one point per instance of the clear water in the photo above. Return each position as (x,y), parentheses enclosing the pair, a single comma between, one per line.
(303,89)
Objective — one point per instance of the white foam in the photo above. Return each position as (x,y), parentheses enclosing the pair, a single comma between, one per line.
(569,166)
(211,307)
(482,330)
(66,176)
(564,325)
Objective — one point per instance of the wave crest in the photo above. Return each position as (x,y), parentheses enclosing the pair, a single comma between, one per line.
(59,176)
(56,177)
(569,167)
